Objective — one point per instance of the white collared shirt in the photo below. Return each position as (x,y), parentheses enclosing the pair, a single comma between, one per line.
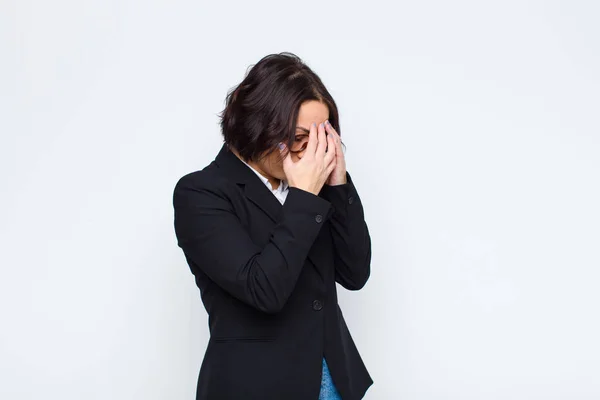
(281,191)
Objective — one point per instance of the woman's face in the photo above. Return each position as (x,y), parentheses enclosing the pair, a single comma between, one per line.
(310,111)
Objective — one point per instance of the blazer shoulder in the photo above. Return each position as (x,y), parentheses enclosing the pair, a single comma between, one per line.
(205,180)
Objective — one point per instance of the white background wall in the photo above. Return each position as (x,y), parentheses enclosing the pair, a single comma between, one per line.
(473,136)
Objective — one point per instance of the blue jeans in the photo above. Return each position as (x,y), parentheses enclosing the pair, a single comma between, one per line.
(328,390)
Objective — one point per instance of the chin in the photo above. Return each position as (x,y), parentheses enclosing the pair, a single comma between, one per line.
(280,176)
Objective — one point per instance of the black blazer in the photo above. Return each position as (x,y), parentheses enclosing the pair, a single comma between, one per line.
(266,274)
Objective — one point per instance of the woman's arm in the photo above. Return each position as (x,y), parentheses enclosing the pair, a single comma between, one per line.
(351,239)
(211,235)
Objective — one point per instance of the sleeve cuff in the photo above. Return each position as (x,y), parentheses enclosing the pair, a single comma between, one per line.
(307,202)
(340,195)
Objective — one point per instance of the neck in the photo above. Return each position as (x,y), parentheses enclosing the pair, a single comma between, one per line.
(272,180)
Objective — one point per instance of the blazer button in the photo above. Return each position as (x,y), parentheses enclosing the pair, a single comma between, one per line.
(317,305)
(319,218)
(351,200)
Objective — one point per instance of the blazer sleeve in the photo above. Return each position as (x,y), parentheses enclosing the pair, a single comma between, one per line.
(351,239)
(211,235)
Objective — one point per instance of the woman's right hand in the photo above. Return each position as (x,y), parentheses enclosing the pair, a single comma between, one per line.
(311,172)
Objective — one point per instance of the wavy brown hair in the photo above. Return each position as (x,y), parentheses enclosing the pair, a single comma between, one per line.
(263,109)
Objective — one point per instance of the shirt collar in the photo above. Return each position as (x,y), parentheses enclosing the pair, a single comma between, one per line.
(283,185)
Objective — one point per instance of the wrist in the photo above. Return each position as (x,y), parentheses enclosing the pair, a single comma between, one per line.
(336,182)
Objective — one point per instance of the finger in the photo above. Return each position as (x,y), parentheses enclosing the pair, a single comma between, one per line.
(338,139)
(322,145)
(329,128)
(331,150)
(311,147)
(330,167)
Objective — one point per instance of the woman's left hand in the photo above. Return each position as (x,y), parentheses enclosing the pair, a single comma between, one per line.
(338,175)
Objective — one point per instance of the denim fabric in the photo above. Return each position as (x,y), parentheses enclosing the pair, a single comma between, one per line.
(328,390)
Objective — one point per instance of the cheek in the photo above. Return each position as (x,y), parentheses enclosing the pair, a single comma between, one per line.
(276,169)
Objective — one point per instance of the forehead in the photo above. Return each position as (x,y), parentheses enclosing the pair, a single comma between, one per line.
(312,111)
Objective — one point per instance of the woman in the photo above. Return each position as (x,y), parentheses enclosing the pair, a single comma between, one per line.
(267,229)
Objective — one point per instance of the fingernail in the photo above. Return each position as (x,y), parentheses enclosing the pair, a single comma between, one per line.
(322,126)
(314,124)
(281,146)
(327,122)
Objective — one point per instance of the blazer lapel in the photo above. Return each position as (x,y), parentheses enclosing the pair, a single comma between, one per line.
(254,189)
(258,193)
